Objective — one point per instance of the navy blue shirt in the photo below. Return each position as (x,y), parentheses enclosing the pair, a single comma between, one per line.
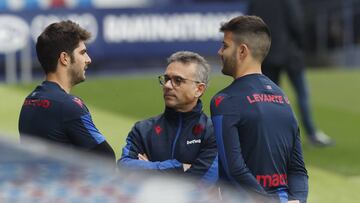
(173,138)
(50,113)
(258,138)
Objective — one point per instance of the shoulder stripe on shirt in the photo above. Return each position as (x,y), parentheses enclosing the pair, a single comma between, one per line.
(217,122)
(94,132)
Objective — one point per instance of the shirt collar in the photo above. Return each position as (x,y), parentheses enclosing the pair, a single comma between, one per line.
(173,114)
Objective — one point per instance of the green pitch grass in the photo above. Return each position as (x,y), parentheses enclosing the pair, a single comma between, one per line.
(117,102)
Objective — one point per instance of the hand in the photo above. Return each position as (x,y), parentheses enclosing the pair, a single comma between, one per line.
(143,157)
(186,167)
(293,201)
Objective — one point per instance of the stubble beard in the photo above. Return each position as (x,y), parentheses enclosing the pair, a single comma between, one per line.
(229,64)
(76,77)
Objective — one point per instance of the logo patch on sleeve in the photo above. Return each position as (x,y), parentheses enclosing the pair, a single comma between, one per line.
(78,101)
(218,100)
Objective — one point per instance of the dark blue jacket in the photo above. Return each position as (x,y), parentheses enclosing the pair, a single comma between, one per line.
(258,138)
(173,138)
(50,113)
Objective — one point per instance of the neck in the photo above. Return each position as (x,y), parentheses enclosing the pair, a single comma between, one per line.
(61,80)
(186,108)
(247,69)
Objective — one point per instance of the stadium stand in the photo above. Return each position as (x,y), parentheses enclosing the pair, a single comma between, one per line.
(37,171)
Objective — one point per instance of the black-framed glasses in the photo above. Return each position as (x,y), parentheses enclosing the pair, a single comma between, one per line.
(176,80)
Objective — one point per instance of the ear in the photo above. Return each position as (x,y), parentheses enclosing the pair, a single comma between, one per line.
(200,89)
(243,51)
(64,58)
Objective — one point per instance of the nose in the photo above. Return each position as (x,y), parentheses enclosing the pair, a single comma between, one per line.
(220,51)
(168,84)
(88,60)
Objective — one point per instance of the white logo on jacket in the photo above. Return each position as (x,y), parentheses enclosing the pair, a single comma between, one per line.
(193,142)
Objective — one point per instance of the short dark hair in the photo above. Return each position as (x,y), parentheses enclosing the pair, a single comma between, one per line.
(186,57)
(252,31)
(63,36)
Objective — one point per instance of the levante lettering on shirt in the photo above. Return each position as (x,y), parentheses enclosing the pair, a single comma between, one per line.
(267,98)
(44,103)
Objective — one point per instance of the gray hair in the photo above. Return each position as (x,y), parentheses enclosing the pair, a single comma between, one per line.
(186,57)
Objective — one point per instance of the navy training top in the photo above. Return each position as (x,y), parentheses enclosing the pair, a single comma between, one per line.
(50,113)
(258,138)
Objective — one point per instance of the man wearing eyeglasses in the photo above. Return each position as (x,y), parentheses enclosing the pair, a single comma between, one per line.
(181,139)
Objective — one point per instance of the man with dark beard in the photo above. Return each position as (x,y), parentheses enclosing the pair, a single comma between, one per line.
(256,132)
(50,112)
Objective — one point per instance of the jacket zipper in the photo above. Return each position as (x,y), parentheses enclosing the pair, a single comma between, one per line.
(177,136)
